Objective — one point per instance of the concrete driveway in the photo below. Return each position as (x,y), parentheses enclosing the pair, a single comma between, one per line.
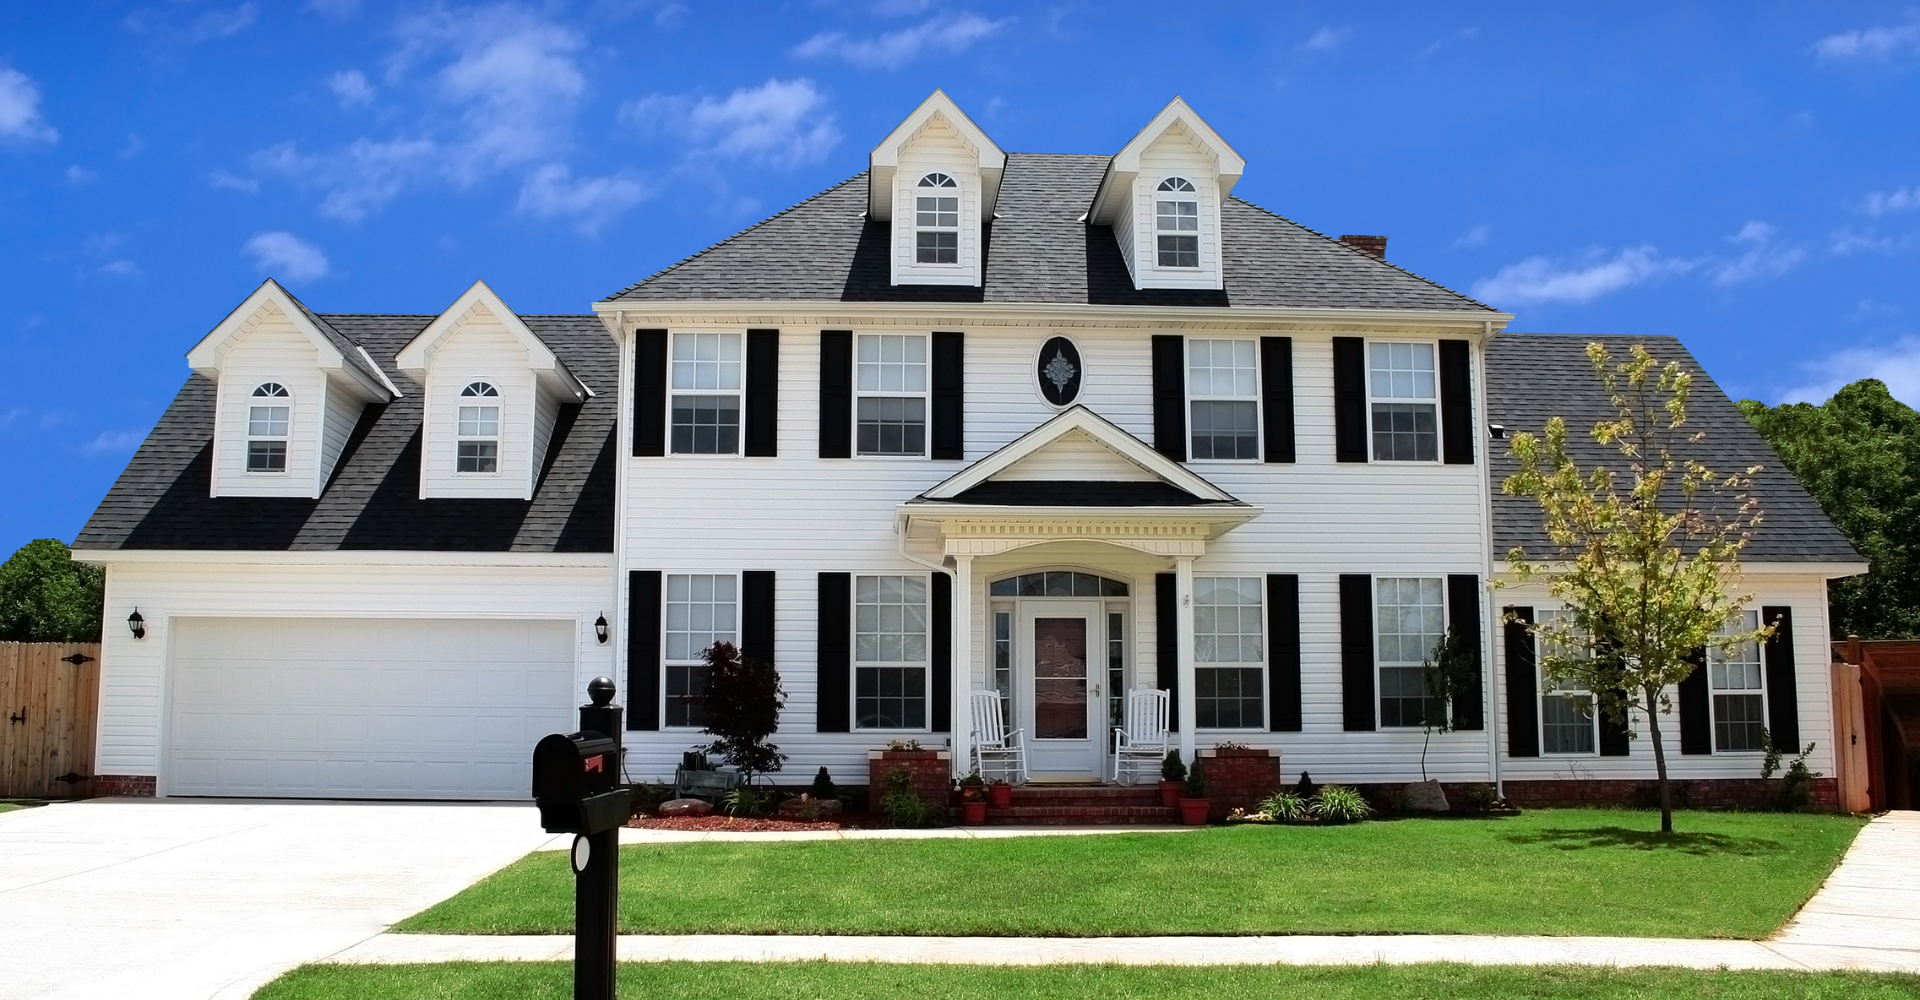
(144,898)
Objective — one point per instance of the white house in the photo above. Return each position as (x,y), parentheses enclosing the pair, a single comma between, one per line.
(1054,426)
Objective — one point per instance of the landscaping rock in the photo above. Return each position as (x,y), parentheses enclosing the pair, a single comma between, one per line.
(1426,796)
(685,807)
(810,808)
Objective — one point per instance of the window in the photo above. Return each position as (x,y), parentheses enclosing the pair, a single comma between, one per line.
(1739,696)
(1003,661)
(267,421)
(892,385)
(701,610)
(937,221)
(706,393)
(479,438)
(1410,619)
(1177,223)
(1405,420)
(890,652)
(1567,716)
(1116,668)
(1229,666)
(1058,583)
(1223,389)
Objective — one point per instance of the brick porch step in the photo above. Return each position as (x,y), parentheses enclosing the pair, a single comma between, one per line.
(1083,804)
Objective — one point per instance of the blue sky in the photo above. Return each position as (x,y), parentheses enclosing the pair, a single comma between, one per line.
(1743,176)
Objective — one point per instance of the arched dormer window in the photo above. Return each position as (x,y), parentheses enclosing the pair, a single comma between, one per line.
(937,220)
(478,445)
(269,414)
(1177,223)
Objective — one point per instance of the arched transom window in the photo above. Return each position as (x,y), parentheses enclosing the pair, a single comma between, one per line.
(269,414)
(1177,223)
(937,220)
(479,438)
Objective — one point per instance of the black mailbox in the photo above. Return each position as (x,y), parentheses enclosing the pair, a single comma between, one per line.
(574,779)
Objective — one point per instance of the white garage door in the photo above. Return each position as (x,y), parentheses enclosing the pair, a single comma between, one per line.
(363,708)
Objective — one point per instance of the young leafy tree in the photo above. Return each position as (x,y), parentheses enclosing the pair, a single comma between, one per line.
(1449,671)
(1643,556)
(47,597)
(743,703)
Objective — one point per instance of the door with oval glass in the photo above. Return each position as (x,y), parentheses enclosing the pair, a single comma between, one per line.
(1058,688)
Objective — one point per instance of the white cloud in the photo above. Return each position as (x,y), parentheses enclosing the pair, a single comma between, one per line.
(1327,39)
(284,256)
(121,269)
(1540,279)
(1898,200)
(359,179)
(1765,257)
(1871,43)
(131,146)
(594,201)
(79,176)
(1463,35)
(781,122)
(207,26)
(223,181)
(351,87)
(1475,237)
(113,442)
(1897,365)
(1846,241)
(20,109)
(895,48)
(334,8)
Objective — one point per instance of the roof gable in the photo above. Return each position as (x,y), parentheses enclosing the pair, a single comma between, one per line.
(339,357)
(936,111)
(1126,459)
(481,303)
(1176,120)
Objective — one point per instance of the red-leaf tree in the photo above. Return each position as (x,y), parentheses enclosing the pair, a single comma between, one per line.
(743,703)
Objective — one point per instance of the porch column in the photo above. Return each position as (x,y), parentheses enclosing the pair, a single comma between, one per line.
(961,723)
(1183,630)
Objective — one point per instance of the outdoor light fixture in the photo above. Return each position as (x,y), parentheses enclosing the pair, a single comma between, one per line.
(600,629)
(137,624)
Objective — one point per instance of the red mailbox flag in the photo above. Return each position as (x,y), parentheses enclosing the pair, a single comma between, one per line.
(594,763)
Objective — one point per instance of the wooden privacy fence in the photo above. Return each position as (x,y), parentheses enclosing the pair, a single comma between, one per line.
(49,694)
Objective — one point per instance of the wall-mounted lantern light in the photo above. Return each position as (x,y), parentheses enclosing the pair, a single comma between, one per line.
(137,624)
(600,629)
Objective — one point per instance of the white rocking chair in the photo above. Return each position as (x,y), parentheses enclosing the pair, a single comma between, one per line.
(997,751)
(1141,744)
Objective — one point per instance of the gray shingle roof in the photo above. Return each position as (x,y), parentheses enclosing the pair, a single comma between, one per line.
(1533,377)
(1038,251)
(372,501)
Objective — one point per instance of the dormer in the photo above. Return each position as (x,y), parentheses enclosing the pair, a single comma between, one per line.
(936,179)
(290,390)
(492,392)
(1162,194)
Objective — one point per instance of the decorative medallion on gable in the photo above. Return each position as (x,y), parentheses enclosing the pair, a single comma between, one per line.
(1059,371)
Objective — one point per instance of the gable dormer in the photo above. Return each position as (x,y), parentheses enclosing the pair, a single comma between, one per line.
(936,179)
(492,392)
(290,390)
(1162,194)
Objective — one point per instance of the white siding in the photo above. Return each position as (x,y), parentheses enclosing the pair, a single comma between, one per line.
(546,410)
(342,413)
(1075,456)
(937,147)
(480,350)
(270,350)
(1175,153)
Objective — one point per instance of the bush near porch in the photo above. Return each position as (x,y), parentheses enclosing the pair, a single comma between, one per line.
(1558,872)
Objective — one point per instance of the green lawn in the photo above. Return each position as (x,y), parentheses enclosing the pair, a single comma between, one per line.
(1564,872)
(836,981)
(10,806)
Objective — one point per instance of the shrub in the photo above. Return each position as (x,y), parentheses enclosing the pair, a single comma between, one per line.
(823,786)
(1340,804)
(1196,787)
(903,806)
(1287,807)
(745,801)
(1796,786)
(1480,797)
(743,704)
(1172,769)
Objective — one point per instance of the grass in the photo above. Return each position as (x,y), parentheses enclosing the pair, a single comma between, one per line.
(11,806)
(850,981)
(1563,872)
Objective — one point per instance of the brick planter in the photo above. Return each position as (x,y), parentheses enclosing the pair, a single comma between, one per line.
(1696,793)
(932,775)
(1240,779)
(141,786)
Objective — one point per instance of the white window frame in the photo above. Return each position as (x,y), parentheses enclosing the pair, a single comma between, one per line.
(1439,432)
(906,664)
(737,392)
(1207,656)
(923,394)
(1380,662)
(694,660)
(939,191)
(1167,194)
(1749,621)
(486,396)
(1561,691)
(278,397)
(1193,397)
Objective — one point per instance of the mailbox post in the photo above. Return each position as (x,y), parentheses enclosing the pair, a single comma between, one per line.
(576,783)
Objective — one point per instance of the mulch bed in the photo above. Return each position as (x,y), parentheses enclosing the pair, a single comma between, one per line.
(727,824)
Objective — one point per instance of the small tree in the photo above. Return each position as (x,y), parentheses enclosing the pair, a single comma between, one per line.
(743,703)
(1450,670)
(47,597)
(1641,563)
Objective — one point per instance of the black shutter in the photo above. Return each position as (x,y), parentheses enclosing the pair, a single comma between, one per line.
(1283,652)
(1783,702)
(1616,740)
(756,615)
(1276,396)
(1456,402)
(1166,651)
(643,649)
(649,393)
(834,655)
(763,394)
(1463,613)
(1349,400)
(940,655)
(1523,695)
(1696,708)
(1170,396)
(947,435)
(836,397)
(1356,652)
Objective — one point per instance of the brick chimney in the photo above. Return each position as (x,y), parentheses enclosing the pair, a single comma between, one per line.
(1372,246)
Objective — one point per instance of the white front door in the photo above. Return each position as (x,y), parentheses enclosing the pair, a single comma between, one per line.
(1058,688)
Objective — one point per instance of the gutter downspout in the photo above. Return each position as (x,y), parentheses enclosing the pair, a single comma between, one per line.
(1487,630)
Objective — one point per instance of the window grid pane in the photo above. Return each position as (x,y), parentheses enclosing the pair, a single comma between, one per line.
(1566,723)
(891,424)
(266,456)
(1228,629)
(890,698)
(1003,661)
(1405,432)
(267,421)
(700,612)
(937,248)
(1737,678)
(706,361)
(1178,251)
(706,425)
(1228,697)
(480,421)
(1411,617)
(477,456)
(1402,371)
(890,619)
(1223,380)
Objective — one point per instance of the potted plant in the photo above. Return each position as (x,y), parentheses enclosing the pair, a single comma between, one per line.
(999,794)
(1172,775)
(1194,804)
(973,800)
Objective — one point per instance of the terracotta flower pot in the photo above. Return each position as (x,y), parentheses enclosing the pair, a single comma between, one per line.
(973,812)
(1170,794)
(1000,796)
(1193,812)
